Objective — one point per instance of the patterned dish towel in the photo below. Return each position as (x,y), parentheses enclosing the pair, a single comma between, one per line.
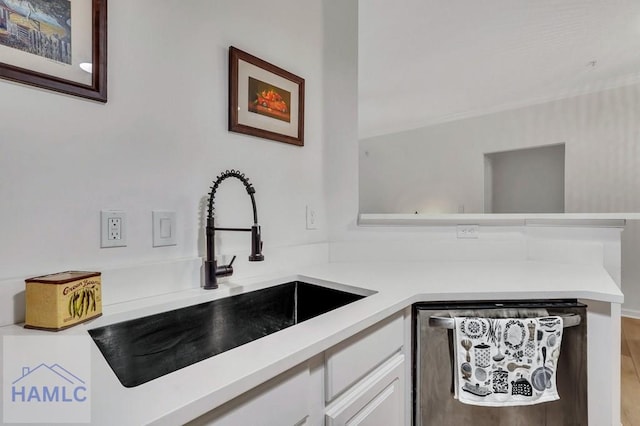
(506,361)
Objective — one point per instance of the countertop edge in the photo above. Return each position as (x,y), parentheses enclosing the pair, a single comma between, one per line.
(597,220)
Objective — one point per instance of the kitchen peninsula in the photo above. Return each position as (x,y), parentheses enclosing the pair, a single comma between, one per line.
(215,382)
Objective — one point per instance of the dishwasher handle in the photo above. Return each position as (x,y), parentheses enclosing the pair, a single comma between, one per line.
(570,320)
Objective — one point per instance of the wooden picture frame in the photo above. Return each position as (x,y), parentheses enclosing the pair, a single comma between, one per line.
(265,100)
(40,48)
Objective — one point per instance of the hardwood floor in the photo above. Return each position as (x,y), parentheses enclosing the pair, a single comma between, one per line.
(630,372)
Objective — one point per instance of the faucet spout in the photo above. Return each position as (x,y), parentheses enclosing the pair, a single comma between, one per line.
(256,244)
(211,268)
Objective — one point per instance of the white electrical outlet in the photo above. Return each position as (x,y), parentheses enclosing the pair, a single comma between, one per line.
(113,227)
(468,231)
(312,218)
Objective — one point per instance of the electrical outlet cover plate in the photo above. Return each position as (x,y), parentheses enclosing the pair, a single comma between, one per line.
(312,218)
(467,231)
(113,228)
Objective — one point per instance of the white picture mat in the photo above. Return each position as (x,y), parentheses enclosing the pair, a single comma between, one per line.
(81,49)
(248,118)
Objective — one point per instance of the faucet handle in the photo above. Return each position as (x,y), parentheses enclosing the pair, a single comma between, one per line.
(225,270)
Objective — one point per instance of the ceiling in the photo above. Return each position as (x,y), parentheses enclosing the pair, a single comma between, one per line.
(422,62)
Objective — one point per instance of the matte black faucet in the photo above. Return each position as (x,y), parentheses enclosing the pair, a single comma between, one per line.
(211,268)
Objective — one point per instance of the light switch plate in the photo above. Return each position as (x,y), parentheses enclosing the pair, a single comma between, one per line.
(164,228)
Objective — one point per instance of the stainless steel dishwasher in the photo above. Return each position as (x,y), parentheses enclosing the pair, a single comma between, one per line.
(434,404)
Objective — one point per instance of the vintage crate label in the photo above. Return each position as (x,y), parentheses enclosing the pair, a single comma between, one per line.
(60,304)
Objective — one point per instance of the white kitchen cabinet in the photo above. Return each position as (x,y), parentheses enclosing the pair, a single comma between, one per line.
(367,375)
(379,399)
(283,400)
(363,380)
(349,361)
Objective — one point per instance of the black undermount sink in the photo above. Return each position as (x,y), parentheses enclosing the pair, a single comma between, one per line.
(143,349)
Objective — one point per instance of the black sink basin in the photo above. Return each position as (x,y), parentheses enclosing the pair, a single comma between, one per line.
(143,349)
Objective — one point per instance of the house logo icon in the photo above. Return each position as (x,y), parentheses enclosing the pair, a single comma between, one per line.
(48,384)
(51,390)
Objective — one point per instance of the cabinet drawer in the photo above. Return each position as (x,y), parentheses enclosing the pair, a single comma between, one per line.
(283,400)
(351,360)
(377,400)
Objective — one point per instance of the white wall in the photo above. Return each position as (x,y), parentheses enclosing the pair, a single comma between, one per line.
(631,269)
(525,180)
(341,115)
(436,169)
(160,140)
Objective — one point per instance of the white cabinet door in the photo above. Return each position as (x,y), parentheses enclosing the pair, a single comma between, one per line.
(376,401)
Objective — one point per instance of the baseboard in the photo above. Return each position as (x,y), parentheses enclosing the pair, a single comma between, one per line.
(630,313)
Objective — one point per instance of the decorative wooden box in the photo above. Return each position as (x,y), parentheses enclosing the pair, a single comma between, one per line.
(64,299)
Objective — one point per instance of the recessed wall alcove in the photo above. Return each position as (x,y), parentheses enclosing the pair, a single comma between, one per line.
(527,180)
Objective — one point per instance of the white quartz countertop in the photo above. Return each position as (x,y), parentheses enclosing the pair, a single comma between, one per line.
(196,389)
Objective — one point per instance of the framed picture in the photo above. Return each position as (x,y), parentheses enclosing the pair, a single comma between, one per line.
(44,42)
(265,100)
